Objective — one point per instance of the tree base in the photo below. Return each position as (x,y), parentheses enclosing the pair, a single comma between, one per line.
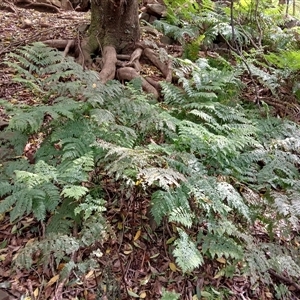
(114,66)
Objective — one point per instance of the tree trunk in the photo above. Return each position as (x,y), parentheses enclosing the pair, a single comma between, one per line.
(114,23)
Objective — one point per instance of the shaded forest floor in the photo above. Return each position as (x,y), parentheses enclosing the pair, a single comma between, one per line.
(137,259)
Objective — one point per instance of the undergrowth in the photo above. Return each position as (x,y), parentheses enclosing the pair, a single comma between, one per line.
(213,169)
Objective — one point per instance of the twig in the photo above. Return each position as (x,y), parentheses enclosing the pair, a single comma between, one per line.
(31,293)
(285,279)
(58,291)
(123,273)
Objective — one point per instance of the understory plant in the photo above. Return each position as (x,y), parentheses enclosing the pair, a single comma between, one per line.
(213,169)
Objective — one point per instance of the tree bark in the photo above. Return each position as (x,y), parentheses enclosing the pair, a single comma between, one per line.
(114,23)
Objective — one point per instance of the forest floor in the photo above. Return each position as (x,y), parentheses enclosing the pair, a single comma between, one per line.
(137,259)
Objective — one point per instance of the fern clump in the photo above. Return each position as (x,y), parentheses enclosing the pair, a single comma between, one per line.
(211,168)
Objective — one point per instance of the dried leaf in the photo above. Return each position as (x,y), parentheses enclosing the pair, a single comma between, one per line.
(221,260)
(133,294)
(154,256)
(52,280)
(143,295)
(172,266)
(36,292)
(137,235)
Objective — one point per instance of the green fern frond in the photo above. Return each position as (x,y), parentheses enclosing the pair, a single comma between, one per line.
(221,246)
(206,197)
(171,204)
(76,171)
(182,216)
(267,79)
(74,148)
(178,33)
(167,295)
(172,94)
(164,177)
(27,121)
(233,198)
(63,219)
(57,246)
(186,253)
(287,205)
(289,59)
(102,116)
(74,191)
(95,230)
(90,206)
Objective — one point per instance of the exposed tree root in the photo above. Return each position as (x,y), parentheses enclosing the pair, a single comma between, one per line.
(67,48)
(150,54)
(109,57)
(128,73)
(154,83)
(135,60)
(42,7)
(128,65)
(83,53)
(9,7)
(60,44)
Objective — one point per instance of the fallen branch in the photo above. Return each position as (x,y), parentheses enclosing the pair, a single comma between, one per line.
(59,290)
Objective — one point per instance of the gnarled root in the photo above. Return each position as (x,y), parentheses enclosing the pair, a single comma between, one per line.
(109,57)
(60,44)
(128,73)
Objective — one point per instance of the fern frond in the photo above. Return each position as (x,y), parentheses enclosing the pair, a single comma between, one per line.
(178,33)
(57,246)
(186,253)
(233,198)
(171,204)
(221,246)
(76,171)
(164,177)
(167,295)
(63,219)
(172,94)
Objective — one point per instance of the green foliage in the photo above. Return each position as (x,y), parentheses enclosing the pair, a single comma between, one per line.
(167,295)
(186,253)
(196,155)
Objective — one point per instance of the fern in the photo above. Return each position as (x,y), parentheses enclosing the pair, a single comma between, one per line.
(173,204)
(166,295)
(55,245)
(177,32)
(221,246)
(208,165)
(186,253)
(285,59)
(63,218)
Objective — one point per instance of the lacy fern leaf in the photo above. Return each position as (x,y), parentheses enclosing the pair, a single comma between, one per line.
(186,253)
